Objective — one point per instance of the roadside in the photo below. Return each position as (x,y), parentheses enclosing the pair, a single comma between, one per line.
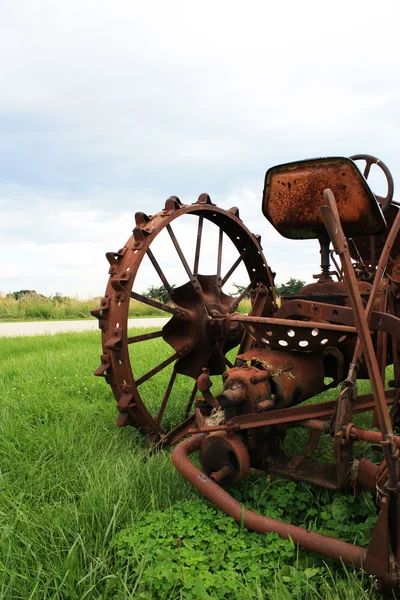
(52,327)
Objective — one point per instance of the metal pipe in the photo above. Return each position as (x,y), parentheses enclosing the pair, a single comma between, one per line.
(356,433)
(238,318)
(374,437)
(219,475)
(315,542)
(314,424)
(294,416)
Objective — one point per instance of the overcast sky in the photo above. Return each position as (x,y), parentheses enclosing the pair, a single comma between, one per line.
(107,108)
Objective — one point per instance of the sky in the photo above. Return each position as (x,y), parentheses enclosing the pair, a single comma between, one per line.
(108,108)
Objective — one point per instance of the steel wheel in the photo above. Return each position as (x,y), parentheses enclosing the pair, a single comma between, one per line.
(159,401)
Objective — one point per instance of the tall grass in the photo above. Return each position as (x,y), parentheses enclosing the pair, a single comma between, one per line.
(38,308)
(70,481)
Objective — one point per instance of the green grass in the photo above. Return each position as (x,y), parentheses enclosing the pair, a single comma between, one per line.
(37,308)
(70,482)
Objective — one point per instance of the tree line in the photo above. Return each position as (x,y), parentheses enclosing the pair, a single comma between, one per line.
(290,288)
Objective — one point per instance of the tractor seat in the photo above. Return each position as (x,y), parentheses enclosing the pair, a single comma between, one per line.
(294,192)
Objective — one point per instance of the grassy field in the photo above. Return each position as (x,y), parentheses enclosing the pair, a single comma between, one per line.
(87,512)
(36,308)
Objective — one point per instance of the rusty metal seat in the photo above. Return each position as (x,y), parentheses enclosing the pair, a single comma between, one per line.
(293,194)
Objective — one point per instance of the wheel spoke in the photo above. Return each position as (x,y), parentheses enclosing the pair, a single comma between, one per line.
(194,281)
(191,400)
(234,266)
(159,271)
(158,368)
(219,261)
(179,251)
(144,336)
(367,168)
(223,357)
(198,245)
(154,303)
(166,397)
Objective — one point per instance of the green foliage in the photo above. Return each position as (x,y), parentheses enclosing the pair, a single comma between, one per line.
(158,293)
(290,288)
(22,293)
(192,550)
(196,548)
(58,298)
(239,289)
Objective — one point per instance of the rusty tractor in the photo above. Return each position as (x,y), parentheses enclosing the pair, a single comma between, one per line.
(342,327)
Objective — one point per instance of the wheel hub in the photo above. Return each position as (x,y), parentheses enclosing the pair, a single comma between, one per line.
(200,327)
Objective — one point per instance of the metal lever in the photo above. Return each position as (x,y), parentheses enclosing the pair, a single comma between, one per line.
(331,219)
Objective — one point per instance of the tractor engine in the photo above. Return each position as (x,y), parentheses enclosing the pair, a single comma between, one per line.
(266,380)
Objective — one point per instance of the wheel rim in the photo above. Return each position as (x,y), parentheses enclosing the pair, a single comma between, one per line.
(195,336)
(370,160)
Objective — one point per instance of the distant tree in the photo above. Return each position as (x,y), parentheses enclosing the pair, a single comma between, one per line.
(58,298)
(22,293)
(240,289)
(158,293)
(290,288)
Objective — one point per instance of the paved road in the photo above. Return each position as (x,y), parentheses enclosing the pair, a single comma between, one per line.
(51,327)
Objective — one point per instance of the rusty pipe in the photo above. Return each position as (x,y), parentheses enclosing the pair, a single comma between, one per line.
(315,542)
(355,433)
(239,318)
(315,424)
(367,475)
(219,475)
(374,437)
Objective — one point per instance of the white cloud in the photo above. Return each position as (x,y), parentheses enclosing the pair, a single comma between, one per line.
(108,109)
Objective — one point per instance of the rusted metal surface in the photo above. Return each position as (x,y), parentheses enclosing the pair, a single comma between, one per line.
(350,431)
(196,339)
(288,416)
(366,250)
(289,334)
(331,219)
(342,327)
(224,458)
(334,292)
(292,198)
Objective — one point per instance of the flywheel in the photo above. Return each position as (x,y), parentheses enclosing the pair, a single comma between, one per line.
(155,384)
